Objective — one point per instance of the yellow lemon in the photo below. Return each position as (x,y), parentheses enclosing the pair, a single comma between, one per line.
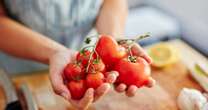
(163,54)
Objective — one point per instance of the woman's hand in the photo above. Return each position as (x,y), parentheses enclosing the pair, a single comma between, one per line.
(57,64)
(131,91)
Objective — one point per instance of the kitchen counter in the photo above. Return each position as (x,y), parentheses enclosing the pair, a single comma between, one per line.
(162,96)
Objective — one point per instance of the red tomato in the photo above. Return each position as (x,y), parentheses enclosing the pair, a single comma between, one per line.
(77,89)
(73,71)
(109,50)
(94,80)
(133,73)
(83,57)
(96,65)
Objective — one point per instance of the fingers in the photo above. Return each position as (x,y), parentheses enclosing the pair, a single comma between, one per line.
(111,76)
(101,91)
(87,100)
(151,82)
(131,91)
(206,95)
(60,89)
(57,63)
(121,88)
(58,85)
(104,88)
(139,51)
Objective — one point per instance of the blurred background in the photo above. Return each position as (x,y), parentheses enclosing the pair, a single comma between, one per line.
(174,71)
(164,19)
(169,19)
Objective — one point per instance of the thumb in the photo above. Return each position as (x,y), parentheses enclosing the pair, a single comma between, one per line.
(58,84)
(111,76)
(87,100)
(65,93)
(61,89)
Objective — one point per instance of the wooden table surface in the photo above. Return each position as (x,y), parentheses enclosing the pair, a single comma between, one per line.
(162,96)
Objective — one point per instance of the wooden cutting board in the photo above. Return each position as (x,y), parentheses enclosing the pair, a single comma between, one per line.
(162,96)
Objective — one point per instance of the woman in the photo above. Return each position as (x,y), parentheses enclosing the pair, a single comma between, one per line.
(48,31)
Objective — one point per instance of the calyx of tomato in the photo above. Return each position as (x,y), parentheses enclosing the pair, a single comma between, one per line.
(88,40)
(132,59)
(96,61)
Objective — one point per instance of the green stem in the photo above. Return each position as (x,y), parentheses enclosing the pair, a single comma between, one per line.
(134,40)
(142,37)
(129,50)
(88,47)
(92,36)
(91,54)
(130,43)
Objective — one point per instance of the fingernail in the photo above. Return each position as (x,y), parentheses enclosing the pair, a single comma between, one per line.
(106,86)
(90,91)
(65,95)
(149,60)
(151,82)
(116,73)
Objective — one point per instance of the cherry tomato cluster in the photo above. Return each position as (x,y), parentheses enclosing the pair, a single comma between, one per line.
(88,71)
(84,73)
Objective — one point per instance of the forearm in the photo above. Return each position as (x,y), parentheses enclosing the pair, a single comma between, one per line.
(22,42)
(112,18)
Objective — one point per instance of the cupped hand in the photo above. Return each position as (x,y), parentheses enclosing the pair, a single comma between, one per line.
(57,64)
(131,90)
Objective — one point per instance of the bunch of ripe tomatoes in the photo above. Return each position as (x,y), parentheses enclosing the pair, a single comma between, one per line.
(89,69)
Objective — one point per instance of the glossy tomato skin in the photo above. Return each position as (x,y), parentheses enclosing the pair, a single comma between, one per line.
(109,51)
(131,73)
(97,65)
(83,57)
(94,80)
(73,71)
(77,89)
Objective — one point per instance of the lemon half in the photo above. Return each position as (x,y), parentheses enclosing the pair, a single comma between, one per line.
(163,54)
